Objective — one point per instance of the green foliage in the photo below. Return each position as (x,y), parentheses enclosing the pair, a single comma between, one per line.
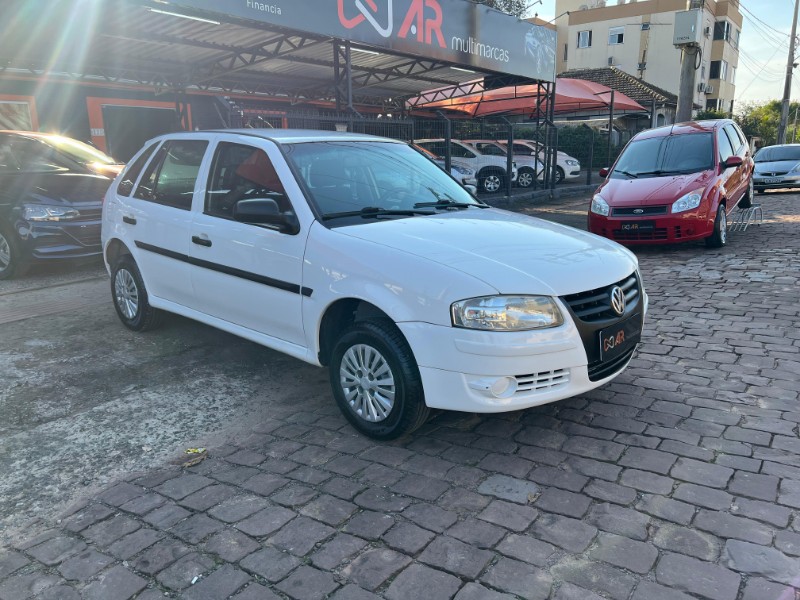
(762,120)
(511,7)
(704,115)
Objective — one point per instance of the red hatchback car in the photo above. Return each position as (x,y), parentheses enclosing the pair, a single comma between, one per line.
(675,184)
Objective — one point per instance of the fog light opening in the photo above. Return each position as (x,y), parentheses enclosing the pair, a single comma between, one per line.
(505,387)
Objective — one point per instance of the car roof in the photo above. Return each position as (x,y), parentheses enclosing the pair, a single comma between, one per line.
(295,136)
(685,128)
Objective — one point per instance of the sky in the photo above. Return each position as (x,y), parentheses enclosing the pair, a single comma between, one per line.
(763,50)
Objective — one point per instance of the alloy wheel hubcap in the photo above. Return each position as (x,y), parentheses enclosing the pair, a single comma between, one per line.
(723,227)
(492,183)
(126,293)
(367,382)
(5,253)
(525,179)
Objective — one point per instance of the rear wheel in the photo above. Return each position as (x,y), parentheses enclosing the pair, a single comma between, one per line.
(526,177)
(492,181)
(11,263)
(130,297)
(720,235)
(376,381)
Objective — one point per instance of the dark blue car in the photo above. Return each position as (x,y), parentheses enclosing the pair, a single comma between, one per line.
(51,196)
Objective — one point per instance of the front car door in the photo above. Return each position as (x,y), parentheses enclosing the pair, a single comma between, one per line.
(731,176)
(244,274)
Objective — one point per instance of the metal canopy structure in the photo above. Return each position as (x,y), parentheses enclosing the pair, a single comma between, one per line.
(245,47)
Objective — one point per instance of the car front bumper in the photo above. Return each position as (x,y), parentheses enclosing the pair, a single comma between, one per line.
(780,182)
(47,240)
(657,229)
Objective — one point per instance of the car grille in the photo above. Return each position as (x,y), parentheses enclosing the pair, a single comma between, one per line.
(655,234)
(546,380)
(775,174)
(638,211)
(595,305)
(89,214)
(601,370)
(87,235)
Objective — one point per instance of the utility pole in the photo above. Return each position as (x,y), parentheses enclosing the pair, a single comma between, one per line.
(787,87)
(688,70)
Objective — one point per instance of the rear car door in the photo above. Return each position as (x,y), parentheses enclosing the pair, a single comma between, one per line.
(732,176)
(158,218)
(249,275)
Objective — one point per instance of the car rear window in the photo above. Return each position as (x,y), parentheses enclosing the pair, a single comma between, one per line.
(776,153)
(668,155)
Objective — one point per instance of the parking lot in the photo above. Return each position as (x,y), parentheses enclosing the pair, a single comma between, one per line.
(681,479)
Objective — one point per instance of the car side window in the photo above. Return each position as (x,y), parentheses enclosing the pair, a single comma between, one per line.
(736,143)
(170,178)
(8,164)
(522,149)
(490,150)
(459,151)
(36,157)
(724,146)
(241,172)
(438,148)
(125,186)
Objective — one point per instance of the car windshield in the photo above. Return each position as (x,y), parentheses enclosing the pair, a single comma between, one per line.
(78,151)
(778,153)
(668,155)
(373,180)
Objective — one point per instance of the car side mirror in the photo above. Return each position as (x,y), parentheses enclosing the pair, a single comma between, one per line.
(470,188)
(604,172)
(265,211)
(733,161)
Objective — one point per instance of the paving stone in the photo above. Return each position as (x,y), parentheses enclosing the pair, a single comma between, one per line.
(11,561)
(118,583)
(337,550)
(353,592)
(294,495)
(563,502)
(300,536)
(610,492)
(120,494)
(270,563)
(617,519)
(559,478)
(379,475)
(455,557)
(739,463)
(254,591)
(597,577)
(527,549)
(308,583)
(519,578)
(22,586)
(346,465)
(728,526)
(329,509)
(695,471)
(703,496)
(62,592)
(593,448)
(55,550)
(267,521)
(761,589)
(265,484)
(697,577)
(181,574)
(90,515)
(646,481)
(237,475)
(476,533)
(107,532)
(419,581)
(462,500)
(196,528)
(246,458)
(666,508)
(568,591)
(231,545)
(790,493)
(788,542)
(419,486)
(430,516)
(141,505)
(648,460)
(758,560)
(509,488)
(475,591)
(429,466)
(84,565)
(134,543)
(342,488)
(688,450)
(381,499)
(508,515)
(182,486)
(762,511)
(166,516)
(238,508)
(407,538)
(647,590)
(750,436)
(369,524)
(375,566)
(761,487)
(670,433)
(160,556)
(570,534)
(623,552)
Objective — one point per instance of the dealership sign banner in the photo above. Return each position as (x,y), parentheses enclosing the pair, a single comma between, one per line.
(456,31)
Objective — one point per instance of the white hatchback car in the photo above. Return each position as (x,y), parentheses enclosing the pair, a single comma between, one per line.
(415,296)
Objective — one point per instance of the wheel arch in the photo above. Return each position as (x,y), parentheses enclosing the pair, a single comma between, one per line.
(338,317)
(114,249)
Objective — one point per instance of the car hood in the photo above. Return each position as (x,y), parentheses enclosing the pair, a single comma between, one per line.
(513,253)
(60,188)
(650,191)
(776,166)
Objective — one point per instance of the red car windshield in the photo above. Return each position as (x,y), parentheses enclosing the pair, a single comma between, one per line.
(668,155)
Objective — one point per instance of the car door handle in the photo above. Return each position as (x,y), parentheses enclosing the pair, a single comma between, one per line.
(201,241)
(129,220)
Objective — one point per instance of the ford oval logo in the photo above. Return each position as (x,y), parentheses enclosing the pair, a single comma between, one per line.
(638,211)
(618,300)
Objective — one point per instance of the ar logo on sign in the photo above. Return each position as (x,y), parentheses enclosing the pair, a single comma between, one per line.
(425,28)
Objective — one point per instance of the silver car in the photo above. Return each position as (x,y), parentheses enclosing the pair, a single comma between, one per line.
(777,167)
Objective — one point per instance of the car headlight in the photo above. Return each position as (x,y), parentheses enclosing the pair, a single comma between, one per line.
(40,212)
(599,206)
(796,168)
(688,202)
(572,163)
(462,170)
(506,313)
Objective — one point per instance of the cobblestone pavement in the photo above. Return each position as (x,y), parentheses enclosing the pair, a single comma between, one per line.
(681,479)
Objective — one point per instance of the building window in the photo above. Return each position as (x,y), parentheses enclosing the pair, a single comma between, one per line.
(719,70)
(703,71)
(711,104)
(585,39)
(566,47)
(645,26)
(736,36)
(733,74)
(615,35)
(722,31)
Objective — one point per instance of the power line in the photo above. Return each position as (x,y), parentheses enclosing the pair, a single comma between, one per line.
(767,25)
(740,94)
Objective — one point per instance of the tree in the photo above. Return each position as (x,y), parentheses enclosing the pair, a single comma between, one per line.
(762,119)
(511,7)
(710,114)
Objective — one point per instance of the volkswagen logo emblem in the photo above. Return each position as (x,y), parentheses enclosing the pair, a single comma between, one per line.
(618,300)
(638,211)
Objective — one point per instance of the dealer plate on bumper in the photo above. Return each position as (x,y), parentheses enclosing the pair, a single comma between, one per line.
(618,339)
(772,180)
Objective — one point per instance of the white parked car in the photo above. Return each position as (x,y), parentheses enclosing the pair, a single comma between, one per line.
(529,168)
(413,293)
(491,170)
(567,167)
(459,171)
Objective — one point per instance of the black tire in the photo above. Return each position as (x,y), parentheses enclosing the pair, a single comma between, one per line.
(408,410)
(11,261)
(526,177)
(759,190)
(720,235)
(559,175)
(136,314)
(491,180)
(747,199)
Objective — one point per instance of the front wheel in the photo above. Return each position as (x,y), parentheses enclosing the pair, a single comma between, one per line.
(525,177)
(559,175)
(10,257)
(376,381)
(491,182)
(130,297)
(720,235)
